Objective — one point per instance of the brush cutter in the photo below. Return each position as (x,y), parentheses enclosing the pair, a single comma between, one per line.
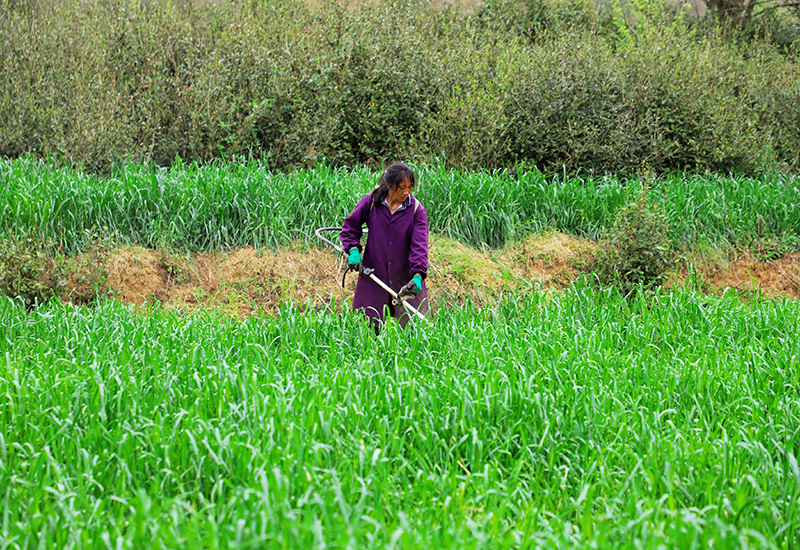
(397,299)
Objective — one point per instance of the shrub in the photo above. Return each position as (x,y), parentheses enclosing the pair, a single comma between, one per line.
(534,82)
(533,19)
(84,277)
(28,269)
(637,249)
(32,270)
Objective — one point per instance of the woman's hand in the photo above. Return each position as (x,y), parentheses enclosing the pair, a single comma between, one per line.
(417,280)
(413,287)
(354,260)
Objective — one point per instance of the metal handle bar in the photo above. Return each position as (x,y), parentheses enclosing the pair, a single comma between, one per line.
(336,247)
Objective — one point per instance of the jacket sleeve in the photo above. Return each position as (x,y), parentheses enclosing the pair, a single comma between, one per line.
(350,235)
(418,255)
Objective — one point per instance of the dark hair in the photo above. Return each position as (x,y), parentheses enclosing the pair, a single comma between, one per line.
(396,173)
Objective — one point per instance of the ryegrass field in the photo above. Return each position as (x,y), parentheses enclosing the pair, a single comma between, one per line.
(579,420)
(227,205)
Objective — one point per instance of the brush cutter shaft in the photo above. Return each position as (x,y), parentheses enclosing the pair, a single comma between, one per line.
(368,273)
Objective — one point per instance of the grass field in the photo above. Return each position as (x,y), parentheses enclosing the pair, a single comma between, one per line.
(579,420)
(566,419)
(234,205)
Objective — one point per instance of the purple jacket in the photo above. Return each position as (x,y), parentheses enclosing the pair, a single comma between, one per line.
(397,248)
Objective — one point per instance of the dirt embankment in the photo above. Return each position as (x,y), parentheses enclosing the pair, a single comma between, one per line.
(244,282)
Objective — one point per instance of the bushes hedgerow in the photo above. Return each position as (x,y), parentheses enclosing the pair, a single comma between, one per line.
(553,86)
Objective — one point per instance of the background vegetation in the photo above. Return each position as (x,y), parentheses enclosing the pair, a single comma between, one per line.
(228,205)
(56,220)
(564,86)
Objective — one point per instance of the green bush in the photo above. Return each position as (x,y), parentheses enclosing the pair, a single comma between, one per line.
(534,19)
(556,84)
(83,277)
(28,269)
(33,271)
(637,250)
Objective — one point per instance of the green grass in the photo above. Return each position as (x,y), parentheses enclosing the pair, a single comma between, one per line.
(581,420)
(226,205)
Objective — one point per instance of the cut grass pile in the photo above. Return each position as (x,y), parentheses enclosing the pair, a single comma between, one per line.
(232,205)
(568,421)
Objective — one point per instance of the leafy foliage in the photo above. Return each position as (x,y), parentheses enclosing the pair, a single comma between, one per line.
(28,269)
(87,271)
(562,85)
(32,270)
(637,250)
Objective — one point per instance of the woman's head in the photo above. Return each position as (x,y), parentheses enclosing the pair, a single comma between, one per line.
(397,180)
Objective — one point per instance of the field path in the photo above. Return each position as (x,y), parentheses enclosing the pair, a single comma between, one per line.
(244,282)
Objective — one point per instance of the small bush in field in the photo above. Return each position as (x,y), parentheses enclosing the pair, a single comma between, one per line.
(28,270)
(31,269)
(84,277)
(637,249)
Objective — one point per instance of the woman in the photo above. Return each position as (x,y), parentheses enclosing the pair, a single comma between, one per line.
(396,249)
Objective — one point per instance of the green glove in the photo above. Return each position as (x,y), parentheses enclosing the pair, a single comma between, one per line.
(413,287)
(354,260)
(418,281)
